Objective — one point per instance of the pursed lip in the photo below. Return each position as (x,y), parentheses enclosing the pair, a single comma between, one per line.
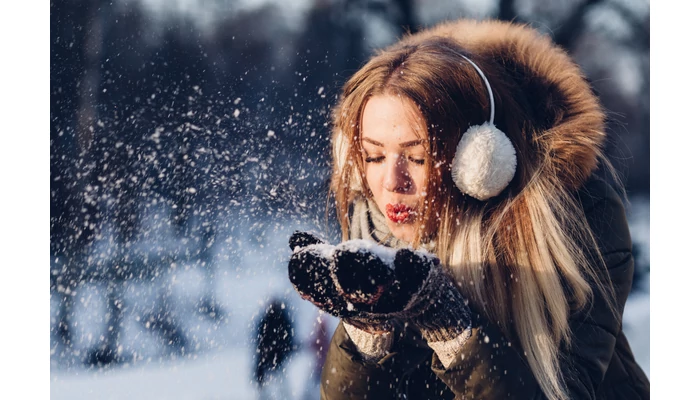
(399,213)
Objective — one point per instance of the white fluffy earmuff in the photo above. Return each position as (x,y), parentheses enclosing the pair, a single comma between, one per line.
(485,160)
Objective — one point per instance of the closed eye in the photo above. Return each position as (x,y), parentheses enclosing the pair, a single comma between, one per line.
(374,159)
(378,159)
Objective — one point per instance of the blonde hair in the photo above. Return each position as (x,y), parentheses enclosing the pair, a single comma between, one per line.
(524,259)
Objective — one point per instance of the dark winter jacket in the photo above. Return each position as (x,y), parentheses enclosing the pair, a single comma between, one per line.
(600,364)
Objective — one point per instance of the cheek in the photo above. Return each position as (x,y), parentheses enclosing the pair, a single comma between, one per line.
(373,178)
(420,178)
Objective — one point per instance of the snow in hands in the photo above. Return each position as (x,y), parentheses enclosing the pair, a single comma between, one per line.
(357,277)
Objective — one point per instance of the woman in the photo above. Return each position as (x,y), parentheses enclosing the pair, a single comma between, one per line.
(483,257)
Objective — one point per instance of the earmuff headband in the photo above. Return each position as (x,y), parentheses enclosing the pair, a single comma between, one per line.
(485,160)
(488,86)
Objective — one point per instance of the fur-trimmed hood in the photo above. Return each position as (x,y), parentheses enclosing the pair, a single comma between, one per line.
(568,116)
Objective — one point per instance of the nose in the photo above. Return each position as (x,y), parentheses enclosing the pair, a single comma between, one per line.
(396,176)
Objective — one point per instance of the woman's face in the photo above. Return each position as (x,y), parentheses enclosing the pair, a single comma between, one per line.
(393,142)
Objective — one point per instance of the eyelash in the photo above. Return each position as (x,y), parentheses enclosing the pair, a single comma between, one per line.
(381,158)
(374,159)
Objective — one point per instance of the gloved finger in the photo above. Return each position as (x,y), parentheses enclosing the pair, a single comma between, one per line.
(361,275)
(309,273)
(301,239)
(412,268)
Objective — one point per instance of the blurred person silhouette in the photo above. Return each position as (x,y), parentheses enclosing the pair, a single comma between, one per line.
(274,338)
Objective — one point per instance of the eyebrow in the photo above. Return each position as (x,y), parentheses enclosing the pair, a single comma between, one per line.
(410,143)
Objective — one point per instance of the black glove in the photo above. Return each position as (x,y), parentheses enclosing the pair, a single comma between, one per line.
(410,286)
(373,284)
(377,279)
(311,269)
(310,273)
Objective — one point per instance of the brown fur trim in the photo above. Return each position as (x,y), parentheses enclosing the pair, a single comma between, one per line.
(567,116)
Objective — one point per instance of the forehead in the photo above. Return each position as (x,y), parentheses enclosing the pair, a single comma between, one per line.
(392,119)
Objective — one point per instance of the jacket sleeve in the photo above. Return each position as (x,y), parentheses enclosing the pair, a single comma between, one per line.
(595,329)
(347,375)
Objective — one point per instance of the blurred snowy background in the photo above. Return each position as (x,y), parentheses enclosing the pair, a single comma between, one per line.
(189,139)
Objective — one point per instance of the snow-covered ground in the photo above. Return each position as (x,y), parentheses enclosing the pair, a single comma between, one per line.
(220,367)
(216,375)
(217,360)
(225,373)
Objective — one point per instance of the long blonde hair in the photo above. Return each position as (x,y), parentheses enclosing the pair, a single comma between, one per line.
(524,259)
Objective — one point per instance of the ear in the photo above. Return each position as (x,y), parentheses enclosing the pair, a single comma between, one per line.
(484,162)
